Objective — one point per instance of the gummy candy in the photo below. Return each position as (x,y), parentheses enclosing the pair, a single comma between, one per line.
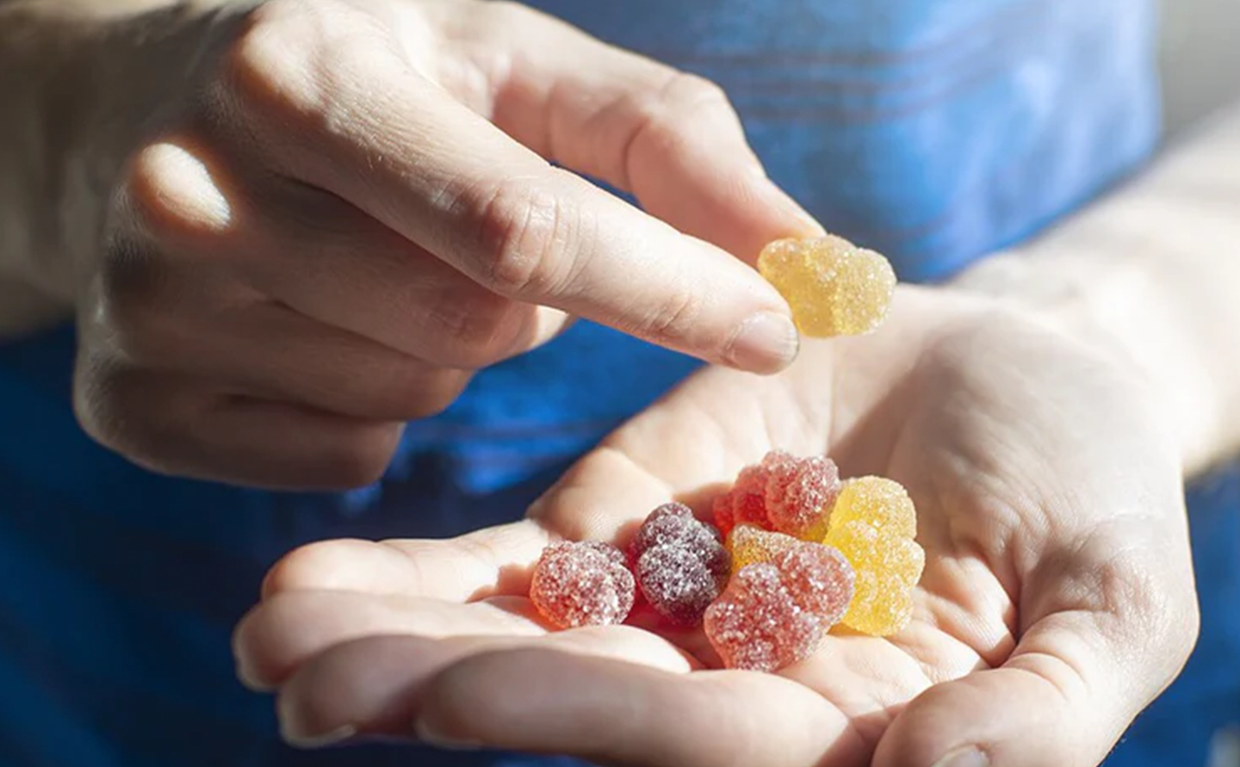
(833,287)
(677,584)
(751,545)
(820,579)
(876,501)
(757,625)
(873,524)
(780,603)
(745,503)
(582,584)
(800,493)
(681,564)
(674,523)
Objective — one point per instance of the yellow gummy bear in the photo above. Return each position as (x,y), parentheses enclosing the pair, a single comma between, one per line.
(873,523)
(751,545)
(833,287)
(888,568)
(876,501)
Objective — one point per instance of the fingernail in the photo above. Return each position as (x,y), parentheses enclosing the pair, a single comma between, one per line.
(968,756)
(319,740)
(766,343)
(428,734)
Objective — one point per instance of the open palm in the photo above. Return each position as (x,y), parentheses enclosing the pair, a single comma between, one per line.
(1057,599)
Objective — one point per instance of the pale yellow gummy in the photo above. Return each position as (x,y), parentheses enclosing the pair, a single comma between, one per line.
(833,287)
(888,568)
(873,523)
(877,501)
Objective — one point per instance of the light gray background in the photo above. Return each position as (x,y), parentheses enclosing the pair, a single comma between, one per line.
(1201,57)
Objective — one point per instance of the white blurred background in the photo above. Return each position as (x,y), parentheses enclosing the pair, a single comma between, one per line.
(1201,57)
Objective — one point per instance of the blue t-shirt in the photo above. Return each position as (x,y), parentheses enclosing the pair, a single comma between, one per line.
(933,131)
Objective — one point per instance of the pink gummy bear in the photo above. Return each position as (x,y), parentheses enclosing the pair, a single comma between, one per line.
(582,584)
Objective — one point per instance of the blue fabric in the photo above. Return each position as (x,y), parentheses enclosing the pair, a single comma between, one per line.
(935,131)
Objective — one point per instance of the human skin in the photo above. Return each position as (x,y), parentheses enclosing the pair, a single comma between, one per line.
(1044,412)
(1043,439)
(1057,599)
(287,231)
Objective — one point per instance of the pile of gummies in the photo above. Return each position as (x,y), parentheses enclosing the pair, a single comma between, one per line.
(793,552)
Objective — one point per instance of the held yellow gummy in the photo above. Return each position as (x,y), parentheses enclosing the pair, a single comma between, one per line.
(833,287)
(873,524)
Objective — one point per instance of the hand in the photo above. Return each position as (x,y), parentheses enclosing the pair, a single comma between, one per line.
(347,207)
(1057,601)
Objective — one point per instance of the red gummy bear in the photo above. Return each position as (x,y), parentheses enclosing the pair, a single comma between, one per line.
(757,625)
(745,503)
(799,495)
(775,613)
(582,584)
(819,578)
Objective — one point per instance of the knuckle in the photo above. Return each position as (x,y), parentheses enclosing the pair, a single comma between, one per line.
(434,394)
(680,102)
(294,62)
(677,316)
(661,119)
(131,284)
(104,399)
(505,16)
(511,11)
(472,331)
(407,392)
(523,235)
(168,193)
(265,70)
(358,459)
(692,92)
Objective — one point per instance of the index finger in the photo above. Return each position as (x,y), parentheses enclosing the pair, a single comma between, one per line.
(399,147)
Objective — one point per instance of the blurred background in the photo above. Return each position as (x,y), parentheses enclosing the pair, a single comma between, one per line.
(1201,57)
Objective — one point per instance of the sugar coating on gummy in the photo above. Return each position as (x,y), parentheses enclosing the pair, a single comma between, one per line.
(887,570)
(677,584)
(757,625)
(681,564)
(745,503)
(800,494)
(873,525)
(674,523)
(833,287)
(819,578)
(750,545)
(880,502)
(582,584)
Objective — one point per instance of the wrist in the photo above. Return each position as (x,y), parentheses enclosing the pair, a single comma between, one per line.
(1123,312)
